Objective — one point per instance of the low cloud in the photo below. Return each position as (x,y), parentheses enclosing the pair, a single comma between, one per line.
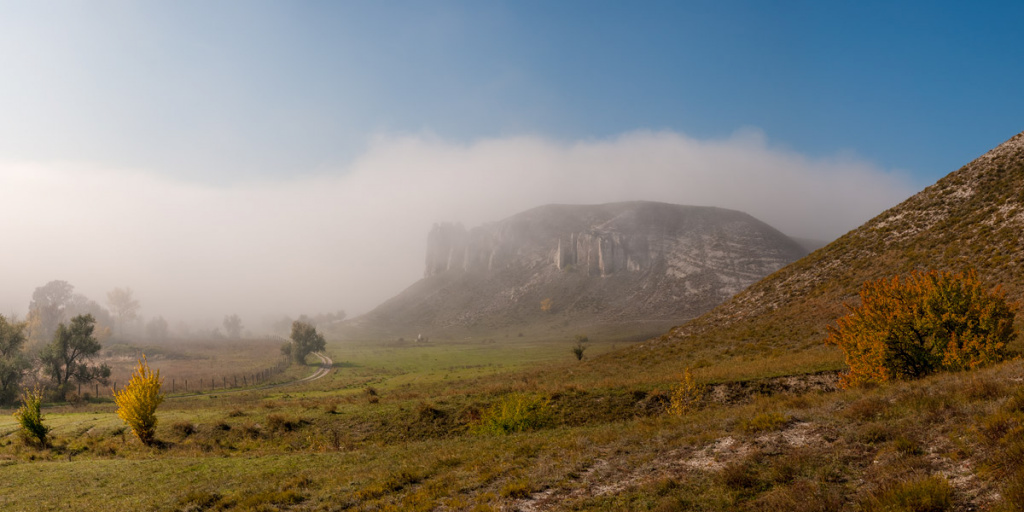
(351,238)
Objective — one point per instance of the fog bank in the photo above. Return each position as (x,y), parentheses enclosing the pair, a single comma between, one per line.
(349,238)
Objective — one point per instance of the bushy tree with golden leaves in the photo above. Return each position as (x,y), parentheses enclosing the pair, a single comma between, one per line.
(137,402)
(926,322)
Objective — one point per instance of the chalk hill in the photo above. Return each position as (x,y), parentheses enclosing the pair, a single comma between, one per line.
(974,217)
(630,265)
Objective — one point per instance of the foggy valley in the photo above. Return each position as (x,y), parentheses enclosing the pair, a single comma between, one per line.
(508,256)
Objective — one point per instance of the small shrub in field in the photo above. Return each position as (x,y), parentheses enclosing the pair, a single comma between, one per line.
(137,402)
(927,322)
(578,350)
(764,422)
(516,412)
(183,428)
(906,446)
(687,396)
(30,418)
(518,489)
(921,494)
(739,475)
(1013,492)
(282,423)
(252,430)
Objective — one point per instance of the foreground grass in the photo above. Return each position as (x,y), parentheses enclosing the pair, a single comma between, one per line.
(397,429)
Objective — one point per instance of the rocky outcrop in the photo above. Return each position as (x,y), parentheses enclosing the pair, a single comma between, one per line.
(619,262)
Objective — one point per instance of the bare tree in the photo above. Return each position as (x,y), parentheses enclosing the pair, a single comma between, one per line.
(123,305)
(48,309)
(156,329)
(233,326)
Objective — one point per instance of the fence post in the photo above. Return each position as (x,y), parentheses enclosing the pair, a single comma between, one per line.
(186,385)
(172,385)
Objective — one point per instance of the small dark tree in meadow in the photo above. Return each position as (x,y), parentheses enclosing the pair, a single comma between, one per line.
(580,348)
(305,339)
(578,351)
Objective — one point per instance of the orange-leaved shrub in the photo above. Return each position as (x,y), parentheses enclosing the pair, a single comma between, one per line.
(137,402)
(926,322)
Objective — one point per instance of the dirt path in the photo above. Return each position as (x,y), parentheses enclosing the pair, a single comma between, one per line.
(326,363)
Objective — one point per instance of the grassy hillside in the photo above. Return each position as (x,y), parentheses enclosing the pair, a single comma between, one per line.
(973,217)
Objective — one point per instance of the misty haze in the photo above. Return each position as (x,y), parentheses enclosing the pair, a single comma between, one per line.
(497,256)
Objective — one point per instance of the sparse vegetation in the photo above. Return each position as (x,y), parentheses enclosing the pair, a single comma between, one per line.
(687,396)
(918,494)
(516,412)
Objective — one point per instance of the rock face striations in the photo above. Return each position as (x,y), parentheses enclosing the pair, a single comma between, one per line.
(607,264)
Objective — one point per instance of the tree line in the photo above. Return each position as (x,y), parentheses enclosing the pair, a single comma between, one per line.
(62,333)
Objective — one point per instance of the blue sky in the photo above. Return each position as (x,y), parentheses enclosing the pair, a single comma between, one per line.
(183,147)
(223,91)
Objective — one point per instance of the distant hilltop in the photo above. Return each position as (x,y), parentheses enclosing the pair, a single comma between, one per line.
(584,266)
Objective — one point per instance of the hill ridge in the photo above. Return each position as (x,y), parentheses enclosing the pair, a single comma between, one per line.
(611,263)
(969,218)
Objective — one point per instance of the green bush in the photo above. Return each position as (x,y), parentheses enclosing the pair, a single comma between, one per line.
(30,418)
(516,412)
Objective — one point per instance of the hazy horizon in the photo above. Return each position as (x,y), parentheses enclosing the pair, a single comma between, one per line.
(275,158)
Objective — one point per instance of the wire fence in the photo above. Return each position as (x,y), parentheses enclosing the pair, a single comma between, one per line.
(174,385)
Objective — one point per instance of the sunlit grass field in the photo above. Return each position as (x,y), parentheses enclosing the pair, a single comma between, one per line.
(404,427)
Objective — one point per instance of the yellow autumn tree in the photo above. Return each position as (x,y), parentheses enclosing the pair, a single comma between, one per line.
(926,322)
(687,396)
(137,402)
